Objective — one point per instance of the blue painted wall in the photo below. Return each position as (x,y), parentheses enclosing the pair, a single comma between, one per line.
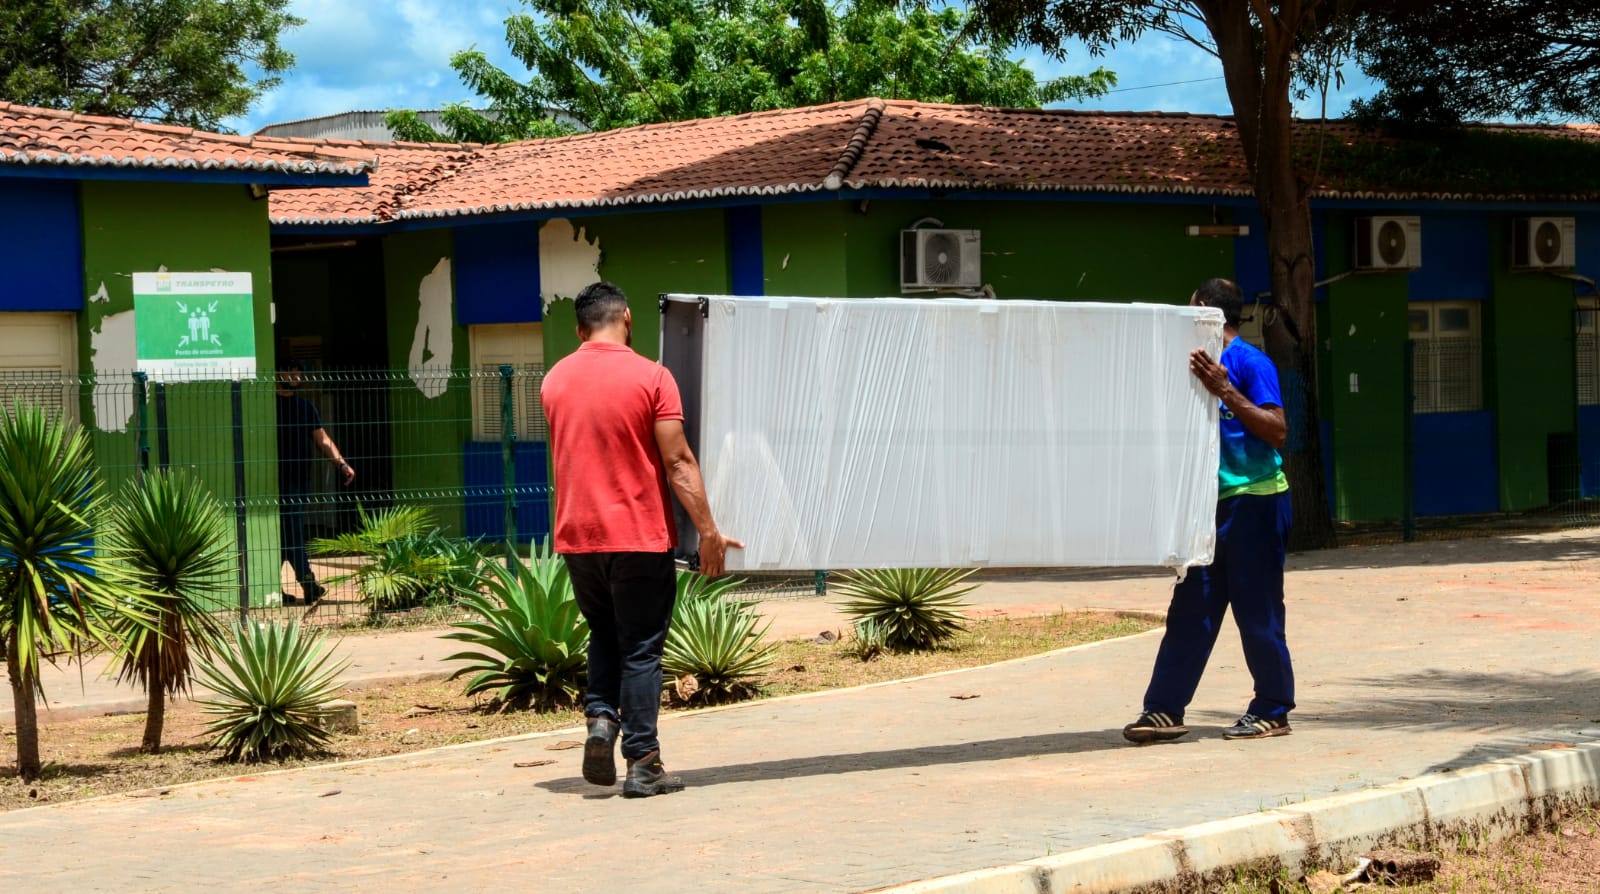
(746,272)
(1455,259)
(485,503)
(1456,471)
(496,269)
(41,245)
(1456,468)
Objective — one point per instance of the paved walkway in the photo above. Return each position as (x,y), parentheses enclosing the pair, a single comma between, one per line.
(1411,659)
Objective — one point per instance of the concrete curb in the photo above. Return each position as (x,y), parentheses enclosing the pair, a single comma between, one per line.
(1488,802)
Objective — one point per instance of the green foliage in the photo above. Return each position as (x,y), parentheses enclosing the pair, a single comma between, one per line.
(408,561)
(1457,160)
(54,588)
(868,639)
(174,538)
(530,642)
(1450,62)
(190,62)
(915,608)
(270,686)
(715,641)
(616,63)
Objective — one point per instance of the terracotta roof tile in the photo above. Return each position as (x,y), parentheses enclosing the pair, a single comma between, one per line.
(30,136)
(864,144)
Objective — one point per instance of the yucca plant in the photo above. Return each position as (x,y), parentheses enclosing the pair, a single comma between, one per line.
(867,640)
(173,536)
(269,685)
(916,608)
(714,641)
(407,560)
(530,642)
(56,590)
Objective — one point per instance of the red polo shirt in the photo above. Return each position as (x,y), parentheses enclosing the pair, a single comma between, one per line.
(602,403)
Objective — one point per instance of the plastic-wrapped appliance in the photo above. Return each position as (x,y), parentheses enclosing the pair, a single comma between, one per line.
(891,432)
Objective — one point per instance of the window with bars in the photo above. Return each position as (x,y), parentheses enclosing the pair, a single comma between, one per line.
(39,362)
(521,346)
(1447,356)
(1587,329)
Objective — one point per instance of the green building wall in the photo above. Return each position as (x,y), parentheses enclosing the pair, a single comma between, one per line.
(1048,250)
(427,433)
(144,227)
(1530,378)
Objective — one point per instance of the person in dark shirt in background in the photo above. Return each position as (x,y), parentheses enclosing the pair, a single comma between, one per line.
(301,438)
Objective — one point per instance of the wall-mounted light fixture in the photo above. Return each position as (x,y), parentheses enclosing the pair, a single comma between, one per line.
(1234,230)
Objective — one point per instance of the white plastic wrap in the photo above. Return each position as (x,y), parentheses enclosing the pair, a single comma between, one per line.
(891,432)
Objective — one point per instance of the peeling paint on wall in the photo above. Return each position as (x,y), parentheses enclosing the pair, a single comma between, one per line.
(429,362)
(100,295)
(112,354)
(568,261)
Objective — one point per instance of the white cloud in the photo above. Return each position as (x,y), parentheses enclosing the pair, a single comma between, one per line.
(361,55)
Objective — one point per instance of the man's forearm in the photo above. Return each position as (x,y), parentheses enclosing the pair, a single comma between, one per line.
(690,489)
(1266,424)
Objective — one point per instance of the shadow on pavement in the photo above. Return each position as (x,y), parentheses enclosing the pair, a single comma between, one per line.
(1514,713)
(893,759)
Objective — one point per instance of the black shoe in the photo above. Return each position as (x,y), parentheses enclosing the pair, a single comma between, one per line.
(1249,726)
(290,600)
(314,591)
(646,777)
(1154,726)
(599,751)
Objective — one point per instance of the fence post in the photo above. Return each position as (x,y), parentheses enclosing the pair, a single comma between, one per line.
(241,528)
(508,468)
(822,583)
(1408,446)
(163,453)
(140,379)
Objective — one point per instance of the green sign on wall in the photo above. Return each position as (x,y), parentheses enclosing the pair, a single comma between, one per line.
(194,325)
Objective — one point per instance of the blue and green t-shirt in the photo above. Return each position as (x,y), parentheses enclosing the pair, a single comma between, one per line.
(1249,465)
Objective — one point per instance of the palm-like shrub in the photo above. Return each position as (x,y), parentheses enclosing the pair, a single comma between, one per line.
(715,649)
(172,535)
(915,608)
(529,641)
(55,590)
(270,686)
(406,560)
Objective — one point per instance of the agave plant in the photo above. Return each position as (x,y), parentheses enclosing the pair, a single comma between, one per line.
(916,608)
(867,640)
(715,649)
(270,687)
(407,560)
(172,535)
(55,589)
(530,642)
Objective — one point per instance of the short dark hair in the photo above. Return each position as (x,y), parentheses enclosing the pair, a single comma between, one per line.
(1223,295)
(599,305)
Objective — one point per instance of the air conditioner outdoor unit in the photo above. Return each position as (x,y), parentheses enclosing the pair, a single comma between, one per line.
(1388,243)
(1543,243)
(940,259)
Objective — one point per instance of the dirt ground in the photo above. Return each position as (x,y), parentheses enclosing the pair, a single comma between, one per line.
(99,755)
(1561,860)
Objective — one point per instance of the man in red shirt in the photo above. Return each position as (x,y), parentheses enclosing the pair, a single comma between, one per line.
(616,435)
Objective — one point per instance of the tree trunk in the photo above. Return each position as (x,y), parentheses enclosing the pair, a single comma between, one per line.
(24,712)
(155,717)
(1257,70)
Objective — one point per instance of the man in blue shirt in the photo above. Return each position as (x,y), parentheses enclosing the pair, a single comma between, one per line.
(1252,533)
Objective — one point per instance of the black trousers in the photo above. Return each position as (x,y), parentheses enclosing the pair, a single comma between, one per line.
(627,599)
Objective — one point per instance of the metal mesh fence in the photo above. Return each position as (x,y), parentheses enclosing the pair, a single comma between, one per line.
(467,447)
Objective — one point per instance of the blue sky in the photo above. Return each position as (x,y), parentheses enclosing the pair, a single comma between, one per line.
(354,54)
